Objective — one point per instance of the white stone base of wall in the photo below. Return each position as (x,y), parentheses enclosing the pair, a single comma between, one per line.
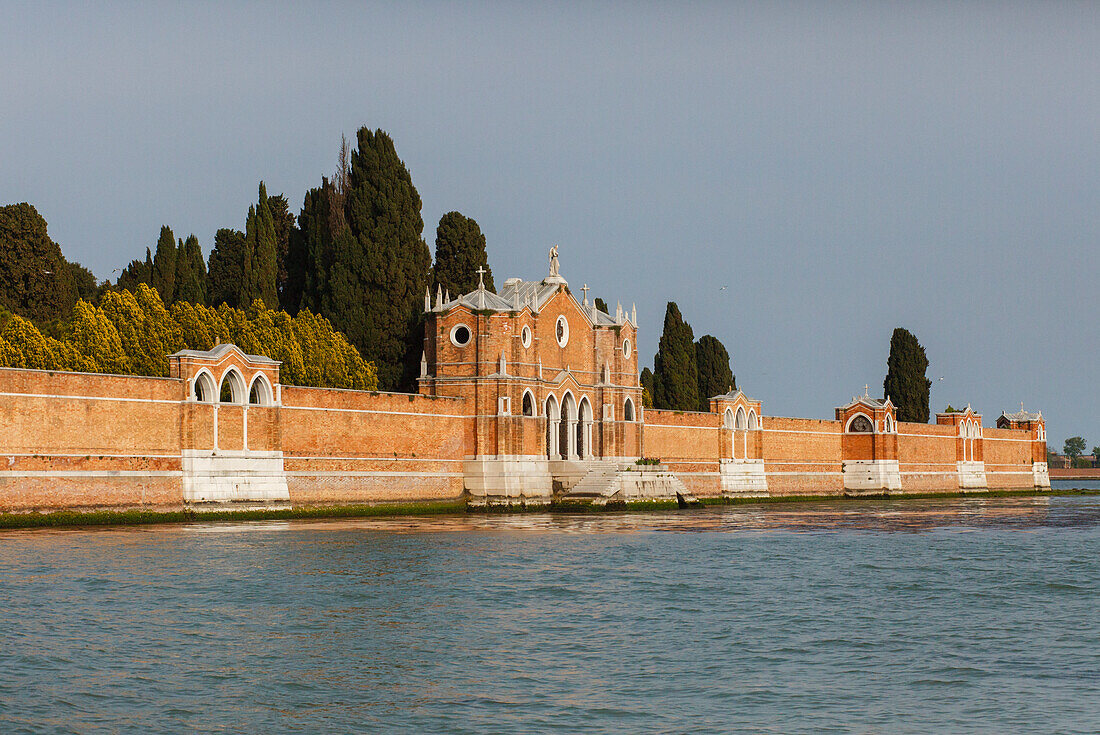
(743,478)
(1041,475)
(871,475)
(231,477)
(509,479)
(971,475)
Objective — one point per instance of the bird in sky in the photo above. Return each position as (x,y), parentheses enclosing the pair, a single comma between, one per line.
(723,288)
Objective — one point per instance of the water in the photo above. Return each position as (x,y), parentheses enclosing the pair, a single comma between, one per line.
(945,616)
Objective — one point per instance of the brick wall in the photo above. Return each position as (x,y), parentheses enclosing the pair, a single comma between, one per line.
(349,446)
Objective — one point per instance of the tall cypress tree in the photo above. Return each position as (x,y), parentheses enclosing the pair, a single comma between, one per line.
(381,272)
(259,232)
(35,280)
(715,375)
(905,383)
(190,272)
(675,371)
(227,279)
(319,225)
(287,276)
(164,265)
(459,252)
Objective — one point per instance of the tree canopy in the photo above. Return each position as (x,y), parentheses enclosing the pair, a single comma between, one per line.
(132,333)
(459,252)
(35,279)
(675,371)
(1074,447)
(713,364)
(905,383)
(379,275)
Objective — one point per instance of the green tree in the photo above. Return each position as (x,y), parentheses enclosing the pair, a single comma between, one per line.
(138,271)
(675,371)
(84,280)
(459,252)
(715,375)
(288,273)
(905,383)
(35,279)
(92,335)
(190,272)
(320,224)
(259,234)
(601,305)
(1074,447)
(230,261)
(646,380)
(164,265)
(379,275)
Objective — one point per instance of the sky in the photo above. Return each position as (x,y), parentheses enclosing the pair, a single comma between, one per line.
(799,178)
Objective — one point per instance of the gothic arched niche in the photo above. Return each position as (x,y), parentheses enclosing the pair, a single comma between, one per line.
(860,425)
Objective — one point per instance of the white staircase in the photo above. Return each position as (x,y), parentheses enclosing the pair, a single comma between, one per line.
(627,482)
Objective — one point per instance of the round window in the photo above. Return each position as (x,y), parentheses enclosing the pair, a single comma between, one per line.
(525,337)
(562,331)
(626,348)
(460,335)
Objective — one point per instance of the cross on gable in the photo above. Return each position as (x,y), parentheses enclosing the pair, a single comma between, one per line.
(481,277)
(585,289)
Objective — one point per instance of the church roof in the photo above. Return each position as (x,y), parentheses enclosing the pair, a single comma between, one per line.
(518,294)
(1022,415)
(866,400)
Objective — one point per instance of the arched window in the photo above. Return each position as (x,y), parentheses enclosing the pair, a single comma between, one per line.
(727,419)
(260,392)
(204,387)
(752,420)
(860,424)
(742,421)
(889,425)
(232,389)
(528,403)
(628,410)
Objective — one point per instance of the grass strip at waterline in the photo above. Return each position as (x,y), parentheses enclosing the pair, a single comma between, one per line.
(136,517)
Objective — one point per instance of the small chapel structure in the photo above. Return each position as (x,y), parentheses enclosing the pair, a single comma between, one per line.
(552,381)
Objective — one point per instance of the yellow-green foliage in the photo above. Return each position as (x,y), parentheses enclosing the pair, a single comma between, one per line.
(131,333)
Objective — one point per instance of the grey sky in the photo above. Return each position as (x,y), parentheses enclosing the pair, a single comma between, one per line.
(844,169)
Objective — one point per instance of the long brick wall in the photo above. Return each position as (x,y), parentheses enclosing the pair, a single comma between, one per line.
(72,440)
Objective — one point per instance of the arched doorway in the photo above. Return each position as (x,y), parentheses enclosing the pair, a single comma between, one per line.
(584,430)
(553,419)
(567,433)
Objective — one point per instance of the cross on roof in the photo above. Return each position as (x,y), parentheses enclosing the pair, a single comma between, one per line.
(481,277)
(866,391)
(585,289)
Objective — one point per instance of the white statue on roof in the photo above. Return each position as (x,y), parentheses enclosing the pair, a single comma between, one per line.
(554,261)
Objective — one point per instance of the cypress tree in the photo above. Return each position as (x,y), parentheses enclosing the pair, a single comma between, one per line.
(646,380)
(675,371)
(35,279)
(259,232)
(164,265)
(227,276)
(905,383)
(380,273)
(602,306)
(138,271)
(190,272)
(459,252)
(319,224)
(288,273)
(715,375)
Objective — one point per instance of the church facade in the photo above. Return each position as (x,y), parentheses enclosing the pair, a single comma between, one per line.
(526,396)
